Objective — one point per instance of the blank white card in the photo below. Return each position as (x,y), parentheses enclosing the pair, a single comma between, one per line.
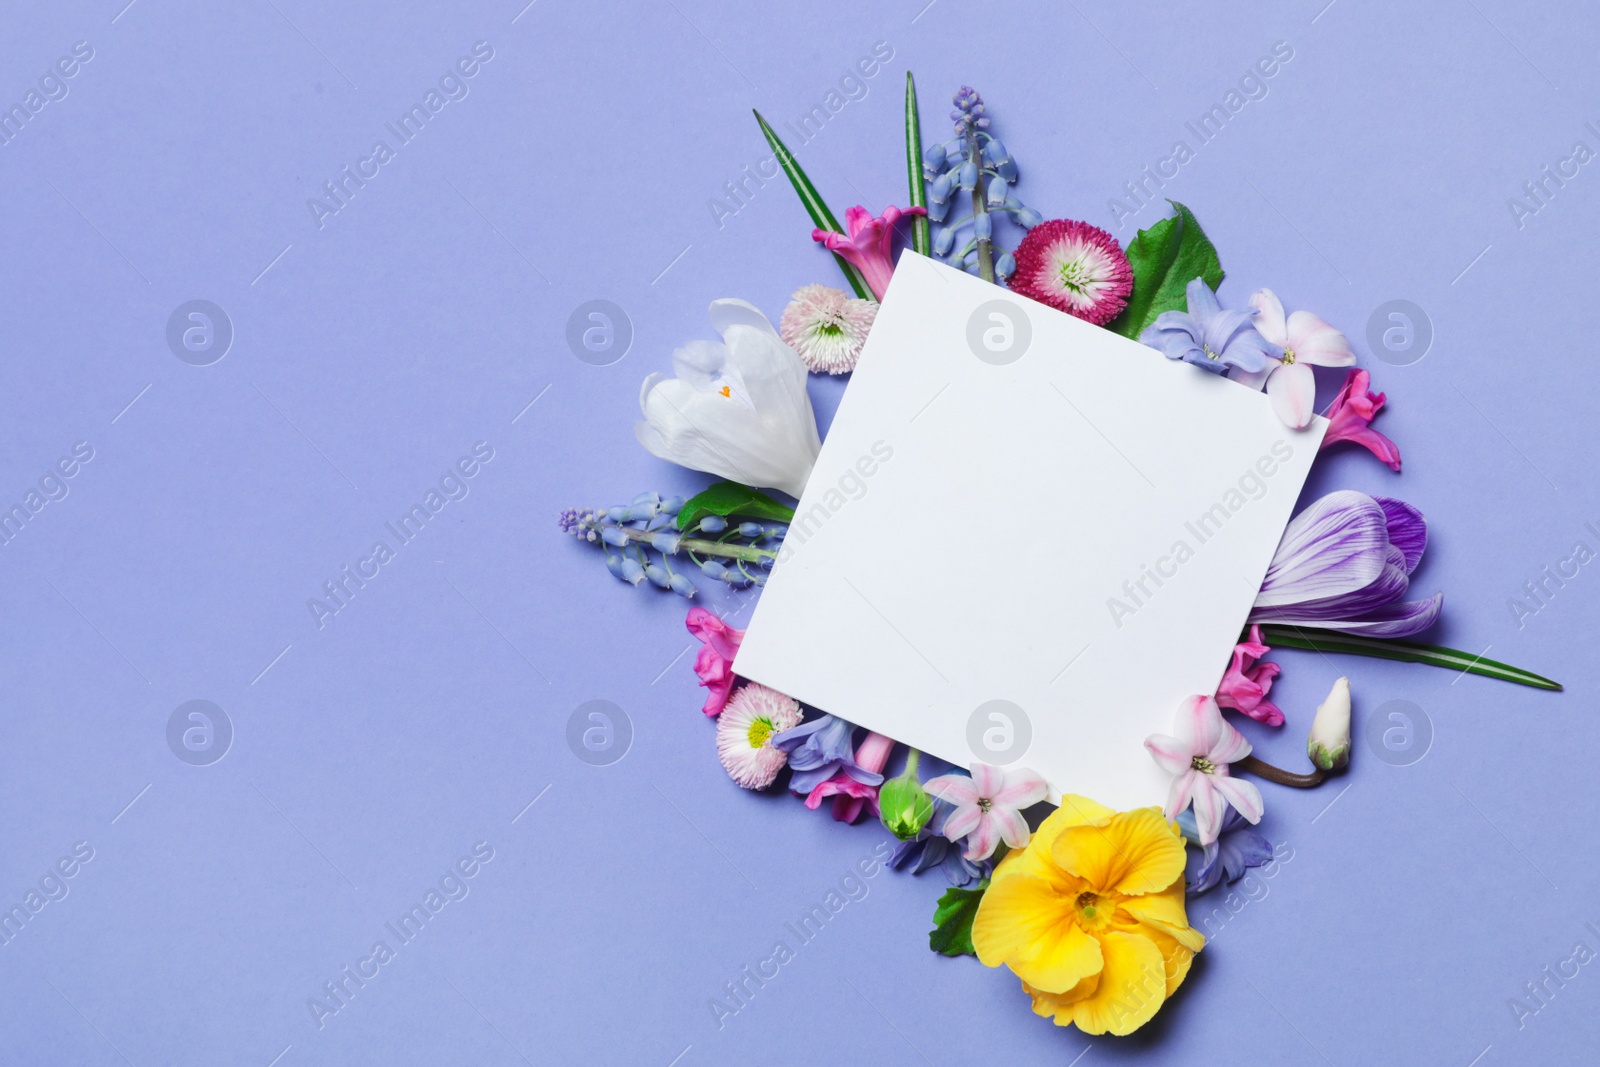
(1026,539)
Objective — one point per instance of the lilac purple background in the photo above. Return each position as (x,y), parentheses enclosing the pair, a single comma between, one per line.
(428,314)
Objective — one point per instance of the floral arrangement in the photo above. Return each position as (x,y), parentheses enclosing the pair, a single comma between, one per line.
(1083,904)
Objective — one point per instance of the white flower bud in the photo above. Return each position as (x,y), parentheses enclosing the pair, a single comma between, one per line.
(1329,743)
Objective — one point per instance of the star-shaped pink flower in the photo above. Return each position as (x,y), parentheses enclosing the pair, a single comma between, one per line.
(1198,759)
(988,806)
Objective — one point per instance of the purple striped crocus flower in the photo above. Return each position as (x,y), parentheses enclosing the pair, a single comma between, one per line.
(1344,563)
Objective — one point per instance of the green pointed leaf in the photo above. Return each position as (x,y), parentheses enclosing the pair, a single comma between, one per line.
(731,498)
(1165,258)
(1404,651)
(920,240)
(952,921)
(821,217)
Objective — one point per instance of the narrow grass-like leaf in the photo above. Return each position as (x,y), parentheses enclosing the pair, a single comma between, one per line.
(920,239)
(1405,651)
(821,217)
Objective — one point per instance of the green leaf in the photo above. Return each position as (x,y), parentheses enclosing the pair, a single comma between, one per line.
(821,217)
(1404,651)
(731,498)
(952,921)
(1165,258)
(920,240)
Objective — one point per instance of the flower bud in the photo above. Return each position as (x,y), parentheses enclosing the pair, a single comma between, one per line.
(1329,743)
(903,805)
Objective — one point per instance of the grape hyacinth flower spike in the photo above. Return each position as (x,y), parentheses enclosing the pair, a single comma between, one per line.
(642,541)
(973,172)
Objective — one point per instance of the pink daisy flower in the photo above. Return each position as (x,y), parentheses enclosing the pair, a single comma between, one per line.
(826,327)
(1075,267)
(744,734)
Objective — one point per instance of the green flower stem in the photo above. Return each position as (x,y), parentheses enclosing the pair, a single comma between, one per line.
(1279,775)
(913,757)
(920,239)
(1404,651)
(985,253)
(698,546)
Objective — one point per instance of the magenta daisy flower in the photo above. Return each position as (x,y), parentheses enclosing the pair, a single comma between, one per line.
(1076,267)
(826,327)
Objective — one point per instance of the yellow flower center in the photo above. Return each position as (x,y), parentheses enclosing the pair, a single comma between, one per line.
(1288,357)
(1093,911)
(1210,354)
(760,730)
(1203,765)
(727,392)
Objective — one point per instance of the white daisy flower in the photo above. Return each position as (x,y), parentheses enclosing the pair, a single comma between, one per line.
(744,734)
(826,327)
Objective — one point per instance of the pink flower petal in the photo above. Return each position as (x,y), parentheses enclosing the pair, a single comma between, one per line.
(956,788)
(1208,808)
(1170,754)
(1013,828)
(962,821)
(987,779)
(1315,342)
(1293,391)
(1244,796)
(1269,320)
(1182,791)
(982,841)
(1230,747)
(1023,789)
(1199,724)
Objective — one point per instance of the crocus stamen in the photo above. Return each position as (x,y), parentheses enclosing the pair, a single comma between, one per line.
(1288,357)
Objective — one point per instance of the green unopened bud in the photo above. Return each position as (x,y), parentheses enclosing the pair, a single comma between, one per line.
(903,805)
(1329,743)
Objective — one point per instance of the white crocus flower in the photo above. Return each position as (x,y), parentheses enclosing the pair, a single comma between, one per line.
(737,409)
(1306,341)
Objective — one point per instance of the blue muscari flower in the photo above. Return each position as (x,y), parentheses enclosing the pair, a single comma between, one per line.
(712,569)
(682,586)
(930,848)
(617,514)
(943,238)
(969,176)
(665,542)
(613,536)
(939,191)
(614,564)
(818,750)
(632,570)
(933,158)
(1209,336)
(713,524)
(758,578)
(1236,849)
(983,226)
(779,531)
(658,575)
(997,192)
(671,505)
(938,209)
(736,578)
(1006,265)
(749,529)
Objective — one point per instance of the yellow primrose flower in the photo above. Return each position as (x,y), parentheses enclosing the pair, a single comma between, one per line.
(1090,916)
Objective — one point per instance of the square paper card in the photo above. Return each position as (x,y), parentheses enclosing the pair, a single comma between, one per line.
(1026,540)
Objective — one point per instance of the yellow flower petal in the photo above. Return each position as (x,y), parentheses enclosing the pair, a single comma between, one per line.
(1174,956)
(1132,853)
(1165,912)
(1132,987)
(1035,859)
(1026,924)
